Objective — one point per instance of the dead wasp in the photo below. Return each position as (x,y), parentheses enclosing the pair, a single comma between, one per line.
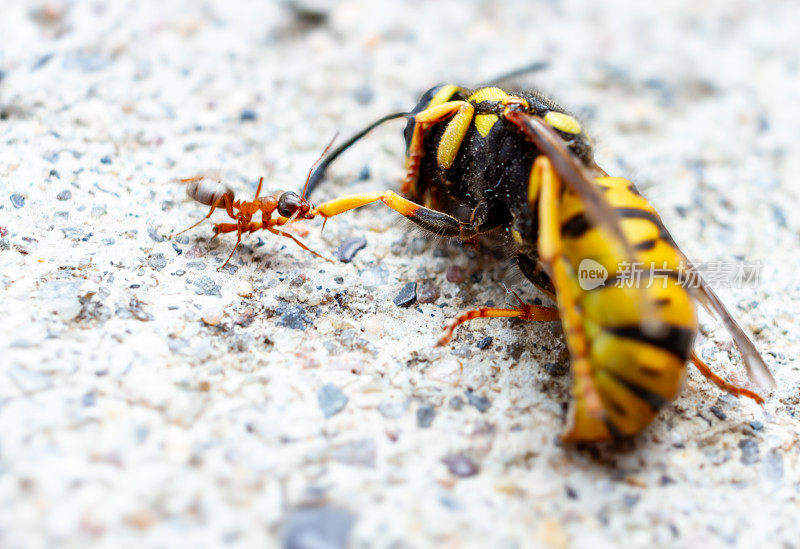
(519,171)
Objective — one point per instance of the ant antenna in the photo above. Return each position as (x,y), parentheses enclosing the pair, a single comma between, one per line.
(316,162)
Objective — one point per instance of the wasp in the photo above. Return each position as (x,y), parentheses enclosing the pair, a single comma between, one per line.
(517,170)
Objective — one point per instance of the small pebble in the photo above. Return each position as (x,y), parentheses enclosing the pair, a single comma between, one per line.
(407,295)
(427,293)
(363,173)
(460,465)
(205,286)
(373,278)
(348,249)
(455,274)
(331,400)
(456,403)
(317,528)
(484,343)
(749,448)
(157,261)
(212,317)
(393,410)
(293,316)
(29,380)
(105,160)
(248,115)
(17,200)
(358,453)
(556,369)
(425,415)
(66,194)
(446,370)
(481,403)
(153,234)
(719,413)
(756,425)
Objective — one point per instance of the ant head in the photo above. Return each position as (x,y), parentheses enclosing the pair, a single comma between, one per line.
(291,204)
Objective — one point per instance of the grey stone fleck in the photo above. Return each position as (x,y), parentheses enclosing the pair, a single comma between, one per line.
(407,295)
(17,200)
(719,413)
(749,448)
(196,265)
(331,400)
(157,261)
(247,115)
(393,410)
(556,369)
(773,467)
(73,233)
(348,249)
(756,425)
(205,286)
(425,415)
(153,234)
(317,528)
(375,277)
(66,194)
(293,316)
(359,453)
(460,465)
(456,403)
(481,403)
(484,342)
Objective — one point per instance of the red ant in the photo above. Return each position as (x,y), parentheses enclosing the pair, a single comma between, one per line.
(289,207)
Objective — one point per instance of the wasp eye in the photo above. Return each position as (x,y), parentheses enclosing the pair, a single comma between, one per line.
(289,203)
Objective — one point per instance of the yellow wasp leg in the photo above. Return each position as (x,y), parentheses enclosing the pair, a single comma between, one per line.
(431,220)
(448,148)
(721,383)
(586,412)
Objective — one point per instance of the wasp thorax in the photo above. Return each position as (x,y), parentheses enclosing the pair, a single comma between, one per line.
(208,192)
(291,203)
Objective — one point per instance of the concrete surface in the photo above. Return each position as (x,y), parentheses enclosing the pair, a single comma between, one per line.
(148,400)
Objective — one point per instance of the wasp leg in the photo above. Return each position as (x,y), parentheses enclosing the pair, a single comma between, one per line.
(721,383)
(271,228)
(586,413)
(523,312)
(448,144)
(431,220)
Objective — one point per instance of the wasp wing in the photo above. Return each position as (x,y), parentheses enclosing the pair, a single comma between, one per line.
(757,370)
(574,174)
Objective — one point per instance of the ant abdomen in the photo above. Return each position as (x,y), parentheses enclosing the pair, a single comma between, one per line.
(208,192)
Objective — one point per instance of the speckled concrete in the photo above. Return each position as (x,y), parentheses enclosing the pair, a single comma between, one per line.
(148,400)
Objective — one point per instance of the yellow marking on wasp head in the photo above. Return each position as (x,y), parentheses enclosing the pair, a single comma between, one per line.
(488,94)
(562,122)
(443,95)
(517,236)
(485,122)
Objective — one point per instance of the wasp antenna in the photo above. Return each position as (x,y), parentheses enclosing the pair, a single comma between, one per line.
(316,162)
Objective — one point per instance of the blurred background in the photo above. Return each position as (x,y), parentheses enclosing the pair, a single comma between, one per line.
(146,398)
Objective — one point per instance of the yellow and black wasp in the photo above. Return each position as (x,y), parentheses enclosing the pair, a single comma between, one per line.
(518,170)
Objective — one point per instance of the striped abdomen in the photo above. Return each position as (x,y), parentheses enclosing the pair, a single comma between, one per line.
(637,363)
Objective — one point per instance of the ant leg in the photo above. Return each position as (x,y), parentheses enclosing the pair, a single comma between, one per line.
(448,144)
(721,383)
(225,200)
(279,232)
(238,229)
(258,189)
(525,311)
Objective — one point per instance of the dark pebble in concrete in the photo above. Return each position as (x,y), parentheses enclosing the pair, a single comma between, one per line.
(484,343)
(331,400)
(248,115)
(481,403)
(717,412)
(455,274)
(749,448)
(317,528)
(66,194)
(17,200)
(205,286)
(293,316)
(157,261)
(407,295)
(350,247)
(428,292)
(460,465)
(425,415)
(153,234)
